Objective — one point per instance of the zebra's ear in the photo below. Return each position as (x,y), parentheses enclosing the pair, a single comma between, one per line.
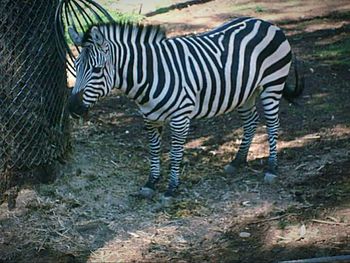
(97,36)
(74,35)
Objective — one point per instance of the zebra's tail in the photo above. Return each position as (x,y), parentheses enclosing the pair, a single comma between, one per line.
(289,92)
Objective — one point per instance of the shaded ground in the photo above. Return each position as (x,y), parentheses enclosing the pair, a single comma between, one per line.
(90,212)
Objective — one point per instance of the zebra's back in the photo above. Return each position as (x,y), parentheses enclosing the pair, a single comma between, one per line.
(221,69)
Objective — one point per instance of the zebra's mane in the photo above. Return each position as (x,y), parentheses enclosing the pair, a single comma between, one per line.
(159,31)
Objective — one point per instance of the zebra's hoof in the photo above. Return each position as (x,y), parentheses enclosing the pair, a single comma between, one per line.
(230,169)
(166,201)
(270,178)
(146,192)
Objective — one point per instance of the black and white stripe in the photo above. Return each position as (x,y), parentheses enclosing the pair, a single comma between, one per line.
(190,77)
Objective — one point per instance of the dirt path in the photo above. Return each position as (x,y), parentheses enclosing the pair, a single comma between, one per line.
(203,17)
(90,212)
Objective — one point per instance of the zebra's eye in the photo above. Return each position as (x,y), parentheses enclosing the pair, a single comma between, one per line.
(96,69)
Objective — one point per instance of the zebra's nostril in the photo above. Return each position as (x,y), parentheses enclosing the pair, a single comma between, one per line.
(76,107)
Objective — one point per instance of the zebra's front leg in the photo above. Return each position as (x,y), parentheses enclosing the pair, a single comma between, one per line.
(179,130)
(154,131)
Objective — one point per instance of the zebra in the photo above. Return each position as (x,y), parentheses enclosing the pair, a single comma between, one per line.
(178,79)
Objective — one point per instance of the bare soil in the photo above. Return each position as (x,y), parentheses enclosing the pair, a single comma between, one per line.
(91,214)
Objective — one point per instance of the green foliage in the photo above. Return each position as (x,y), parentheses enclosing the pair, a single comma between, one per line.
(283,224)
(126,17)
(335,54)
(259,9)
(248,7)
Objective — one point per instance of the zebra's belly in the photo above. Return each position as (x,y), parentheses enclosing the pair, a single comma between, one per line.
(211,103)
(165,108)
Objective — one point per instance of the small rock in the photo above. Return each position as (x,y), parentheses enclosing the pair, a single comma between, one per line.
(244,234)
(302,231)
(270,178)
(146,192)
(230,170)
(246,203)
(134,235)
(78,172)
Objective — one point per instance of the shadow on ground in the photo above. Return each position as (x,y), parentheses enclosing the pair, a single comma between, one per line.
(90,214)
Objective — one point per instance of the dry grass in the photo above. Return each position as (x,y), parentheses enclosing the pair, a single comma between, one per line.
(90,212)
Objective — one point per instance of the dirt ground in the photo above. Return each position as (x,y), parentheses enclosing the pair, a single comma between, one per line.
(91,214)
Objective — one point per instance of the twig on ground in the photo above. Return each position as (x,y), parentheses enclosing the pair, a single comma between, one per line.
(254,170)
(332,218)
(271,219)
(300,166)
(41,247)
(329,222)
(320,168)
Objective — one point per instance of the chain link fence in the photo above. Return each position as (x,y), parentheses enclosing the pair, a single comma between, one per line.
(33,119)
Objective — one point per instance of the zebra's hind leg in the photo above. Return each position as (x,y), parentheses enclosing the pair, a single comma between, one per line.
(154,131)
(250,119)
(270,98)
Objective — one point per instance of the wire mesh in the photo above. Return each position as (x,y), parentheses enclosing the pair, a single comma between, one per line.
(33,119)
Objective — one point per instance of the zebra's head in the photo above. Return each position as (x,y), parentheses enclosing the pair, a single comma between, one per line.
(94,70)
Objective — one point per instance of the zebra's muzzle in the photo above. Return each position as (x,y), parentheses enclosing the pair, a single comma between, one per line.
(76,107)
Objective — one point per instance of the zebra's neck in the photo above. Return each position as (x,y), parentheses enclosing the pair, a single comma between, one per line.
(134,51)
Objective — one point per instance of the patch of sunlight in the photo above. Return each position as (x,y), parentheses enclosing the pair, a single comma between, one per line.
(320,95)
(342,215)
(299,142)
(341,130)
(197,143)
(259,147)
(337,131)
(248,6)
(134,245)
(291,233)
(24,198)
